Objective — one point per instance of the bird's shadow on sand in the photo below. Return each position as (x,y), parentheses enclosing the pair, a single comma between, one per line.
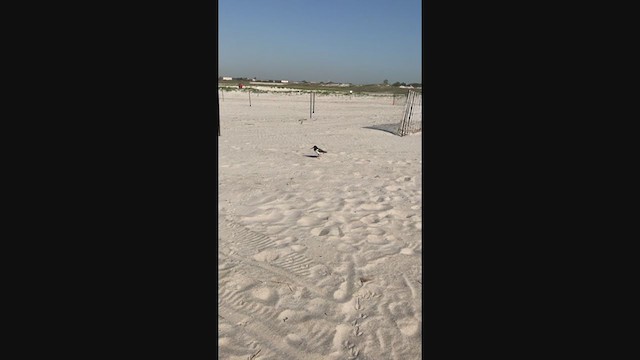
(311,156)
(390,128)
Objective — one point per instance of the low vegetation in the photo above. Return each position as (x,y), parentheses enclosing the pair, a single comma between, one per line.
(322,88)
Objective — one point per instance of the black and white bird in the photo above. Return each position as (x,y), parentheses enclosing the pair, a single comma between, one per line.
(318,150)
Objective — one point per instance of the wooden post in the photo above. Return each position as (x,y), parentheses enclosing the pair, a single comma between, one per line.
(413,97)
(218,116)
(408,126)
(404,119)
(405,116)
(408,129)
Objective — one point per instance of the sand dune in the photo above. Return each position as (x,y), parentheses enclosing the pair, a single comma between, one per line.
(319,258)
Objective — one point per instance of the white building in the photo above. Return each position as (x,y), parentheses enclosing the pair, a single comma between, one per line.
(227,78)
(284,81)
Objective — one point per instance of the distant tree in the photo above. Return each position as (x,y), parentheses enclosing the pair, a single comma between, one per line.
(403,84)
(395,84)
(386,82)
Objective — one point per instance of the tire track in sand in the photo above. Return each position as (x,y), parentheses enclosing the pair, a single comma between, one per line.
(247,239)
(294,267)
(267,335)
(323,293)
(254,309)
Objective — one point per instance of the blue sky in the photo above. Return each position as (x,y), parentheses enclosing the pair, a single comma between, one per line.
(357,41)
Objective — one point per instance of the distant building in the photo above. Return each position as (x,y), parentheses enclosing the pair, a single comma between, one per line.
(284,81)
(227,78)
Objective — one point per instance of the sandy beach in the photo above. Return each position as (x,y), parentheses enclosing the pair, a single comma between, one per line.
(319,257)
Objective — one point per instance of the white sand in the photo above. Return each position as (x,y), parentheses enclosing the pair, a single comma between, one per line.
(319,258)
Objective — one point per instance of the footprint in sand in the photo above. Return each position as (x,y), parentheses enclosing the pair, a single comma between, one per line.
(407,251)
(340,218)
(265,295)
(370,219)
(293,339)
(309,221)
(400,309)
(354,225)
(381,252)
(330,230)
(298,248)
(286,241)
(272,254)
(293,316)
(243,283)
(409,326)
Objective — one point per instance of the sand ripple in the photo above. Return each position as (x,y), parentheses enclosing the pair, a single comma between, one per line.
(319,258)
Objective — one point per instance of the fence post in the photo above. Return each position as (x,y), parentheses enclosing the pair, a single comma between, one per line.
(406,113)
(403,122)
(413,97)
(413,101)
